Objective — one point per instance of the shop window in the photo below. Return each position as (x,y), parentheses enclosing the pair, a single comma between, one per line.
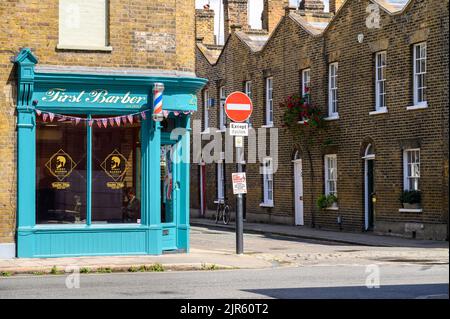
(115,174)
(63,176)
(60,173)
(83,24)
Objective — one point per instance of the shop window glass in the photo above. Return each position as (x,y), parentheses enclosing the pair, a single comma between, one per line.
(60,173)
(115,174)
(167,183)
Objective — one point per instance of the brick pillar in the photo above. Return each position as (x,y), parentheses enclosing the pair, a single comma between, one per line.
(335,5)
(235,13)
(272,13)
(204,25)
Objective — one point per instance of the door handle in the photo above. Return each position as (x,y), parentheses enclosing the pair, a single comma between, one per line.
(300,197)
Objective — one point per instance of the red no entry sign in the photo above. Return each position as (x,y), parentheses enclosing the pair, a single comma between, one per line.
(238,107)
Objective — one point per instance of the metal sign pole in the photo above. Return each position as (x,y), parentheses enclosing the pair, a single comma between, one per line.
(239,210)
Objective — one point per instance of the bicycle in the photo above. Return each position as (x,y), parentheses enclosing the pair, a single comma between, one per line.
(223,212)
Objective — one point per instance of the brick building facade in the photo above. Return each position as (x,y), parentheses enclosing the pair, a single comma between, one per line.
(137,37)
(374,138)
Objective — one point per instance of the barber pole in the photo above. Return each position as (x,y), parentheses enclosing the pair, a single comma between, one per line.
(158,90)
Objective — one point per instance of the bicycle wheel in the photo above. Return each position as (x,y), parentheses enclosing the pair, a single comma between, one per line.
(218,213)
(226,215)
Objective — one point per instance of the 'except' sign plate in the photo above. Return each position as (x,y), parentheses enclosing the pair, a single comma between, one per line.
(238,129)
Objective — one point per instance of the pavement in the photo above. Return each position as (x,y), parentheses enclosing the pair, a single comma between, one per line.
(266,246)
(310,282)
(196,259)
(366,239)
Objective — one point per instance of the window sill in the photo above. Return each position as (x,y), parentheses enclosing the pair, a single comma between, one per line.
(332,118)
(380,111)
(408,210)
(302,122)
(207,131)
(417,107)
(219,201)
(267,126)
(332,208)
(221,130)
(266,205)
(83,48)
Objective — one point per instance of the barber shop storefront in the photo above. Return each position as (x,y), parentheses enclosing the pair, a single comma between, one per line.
(103,160)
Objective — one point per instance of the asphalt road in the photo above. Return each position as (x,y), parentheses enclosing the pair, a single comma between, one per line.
(396,281)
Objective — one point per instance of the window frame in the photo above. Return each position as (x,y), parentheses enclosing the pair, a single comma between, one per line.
(269,102)
(406,165)
(248,91)
(306,73)
(268,194)
(105,47)
(220,181)
(423,73)
(206,110)
(333,104)
(327,178)
(222,114)
(379,68)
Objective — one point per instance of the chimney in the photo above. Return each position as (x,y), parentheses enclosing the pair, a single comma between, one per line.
(312,5)
(204,25)
(272,13)
(235,14)
(335,5)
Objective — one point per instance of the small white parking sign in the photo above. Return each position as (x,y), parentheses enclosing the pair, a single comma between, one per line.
(239,183)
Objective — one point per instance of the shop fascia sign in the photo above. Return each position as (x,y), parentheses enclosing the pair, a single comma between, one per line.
(108,98)
(94,96)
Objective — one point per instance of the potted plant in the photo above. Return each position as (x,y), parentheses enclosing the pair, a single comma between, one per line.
(327,201)
(411,199)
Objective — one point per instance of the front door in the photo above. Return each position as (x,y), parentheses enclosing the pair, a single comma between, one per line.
(170,187)
(369,195)
(298,192)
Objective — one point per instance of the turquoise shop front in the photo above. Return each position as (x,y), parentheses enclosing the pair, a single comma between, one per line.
(96,173)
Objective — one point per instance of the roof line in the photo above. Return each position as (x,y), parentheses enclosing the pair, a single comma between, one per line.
(320,34)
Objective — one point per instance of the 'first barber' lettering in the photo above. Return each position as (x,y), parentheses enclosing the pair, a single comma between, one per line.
(100,96)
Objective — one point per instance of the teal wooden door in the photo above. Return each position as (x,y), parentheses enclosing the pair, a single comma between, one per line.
(170,187)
